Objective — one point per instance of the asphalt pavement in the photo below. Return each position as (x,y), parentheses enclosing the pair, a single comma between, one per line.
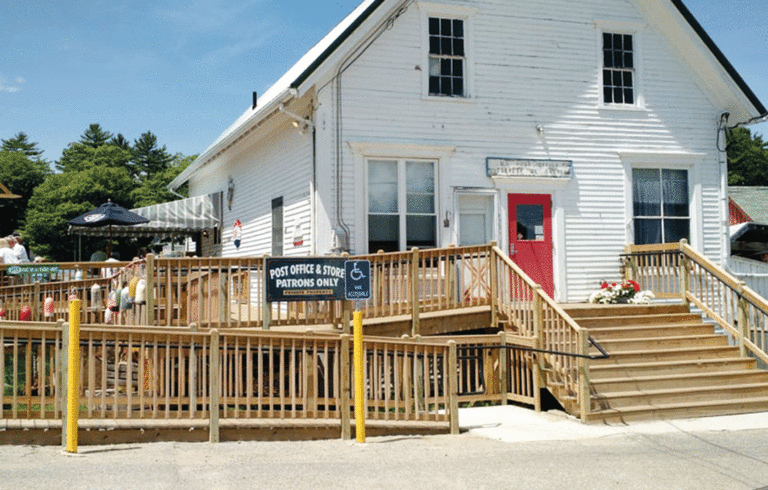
(500,447)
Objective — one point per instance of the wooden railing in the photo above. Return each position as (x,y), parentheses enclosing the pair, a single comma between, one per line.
(163,374)
(228,293)
(564,346)
(677,270)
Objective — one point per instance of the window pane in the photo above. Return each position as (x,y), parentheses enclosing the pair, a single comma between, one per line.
(434,26)
(421,231)
(445,67)
(445,27)
(646,190)
(647,231)
(434,45)
(458,86)
(530,222)
(420,187)
(675,189)
(629,96)
(383,233)
(458,47)
(382,186)
(676,229)
(446,46)
(458,28)
(473,229)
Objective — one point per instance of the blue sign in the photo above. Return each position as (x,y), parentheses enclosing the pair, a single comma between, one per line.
(357,279)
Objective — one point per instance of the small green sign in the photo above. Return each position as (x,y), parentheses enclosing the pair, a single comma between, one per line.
(32,269)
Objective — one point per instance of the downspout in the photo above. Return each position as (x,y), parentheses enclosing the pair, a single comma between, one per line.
(722,129)
(342,229)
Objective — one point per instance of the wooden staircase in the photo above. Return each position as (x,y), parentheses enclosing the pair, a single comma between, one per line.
(665,363)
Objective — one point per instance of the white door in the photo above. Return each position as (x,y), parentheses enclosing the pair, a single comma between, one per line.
(476,223)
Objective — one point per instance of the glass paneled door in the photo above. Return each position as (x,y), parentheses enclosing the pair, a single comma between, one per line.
(530,237)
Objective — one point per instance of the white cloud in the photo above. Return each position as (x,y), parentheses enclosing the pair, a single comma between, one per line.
(10,88)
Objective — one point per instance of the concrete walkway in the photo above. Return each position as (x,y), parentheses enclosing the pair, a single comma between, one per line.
(502,447)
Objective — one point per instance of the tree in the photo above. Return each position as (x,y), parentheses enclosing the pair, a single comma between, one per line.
(95,136)
(154,189)
(21,175)
(148,158)
(747,158)
(121,142)
(65,196)
(86,153)
(21,144)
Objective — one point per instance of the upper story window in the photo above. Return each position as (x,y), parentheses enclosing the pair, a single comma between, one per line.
(447,57)
(618,69)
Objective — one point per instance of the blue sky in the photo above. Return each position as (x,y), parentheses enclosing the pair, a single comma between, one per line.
(185,70)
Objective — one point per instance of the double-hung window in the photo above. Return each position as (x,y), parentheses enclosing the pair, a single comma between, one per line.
(447,57)
(661,205)
(618,69)
(401,204)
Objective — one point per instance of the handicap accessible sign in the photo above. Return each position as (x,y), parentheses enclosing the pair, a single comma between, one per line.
(357,279)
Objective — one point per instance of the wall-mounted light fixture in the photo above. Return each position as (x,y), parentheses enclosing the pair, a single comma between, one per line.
(301,123)
(230,192)
(540,129)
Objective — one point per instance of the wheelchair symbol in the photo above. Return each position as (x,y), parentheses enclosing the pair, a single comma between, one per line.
(356,274)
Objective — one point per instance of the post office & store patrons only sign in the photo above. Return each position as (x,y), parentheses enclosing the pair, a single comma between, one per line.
(305,279)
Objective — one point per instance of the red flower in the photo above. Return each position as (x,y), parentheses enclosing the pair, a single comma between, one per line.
(613,284)
(604,285)
(635,286)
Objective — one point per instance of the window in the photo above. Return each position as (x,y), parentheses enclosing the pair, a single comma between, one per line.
(661,205)
(401,205)
(447,57)
(277,227)
(618,69)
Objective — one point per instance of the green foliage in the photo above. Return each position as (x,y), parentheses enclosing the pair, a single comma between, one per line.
(154,188)
(66,196)
(148,158)
(21,144)
(20,175)
(747,158)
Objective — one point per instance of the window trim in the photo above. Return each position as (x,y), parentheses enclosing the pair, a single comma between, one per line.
(633,29)
(673,161)
(402,198)
(465,14)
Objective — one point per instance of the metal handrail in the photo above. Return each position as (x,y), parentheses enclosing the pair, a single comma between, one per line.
(603,353)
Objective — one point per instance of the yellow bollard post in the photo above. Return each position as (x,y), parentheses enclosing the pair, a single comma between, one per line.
(73,373)
(359,385)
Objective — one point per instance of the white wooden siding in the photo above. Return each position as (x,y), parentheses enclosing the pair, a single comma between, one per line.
(530,70)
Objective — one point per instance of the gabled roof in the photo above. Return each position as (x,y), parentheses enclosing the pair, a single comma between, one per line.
(752,200)
(7,194)
(287,86)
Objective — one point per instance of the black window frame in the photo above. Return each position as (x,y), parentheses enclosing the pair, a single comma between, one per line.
(619,75)
(447,70)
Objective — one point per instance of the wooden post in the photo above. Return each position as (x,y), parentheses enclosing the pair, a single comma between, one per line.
(346,388)
(629,273)
(36,302)
(584,389)
(419,380)
(453,387)
(494,282)
(743,319)
(266,307)
(415,287)
(538,333)
(346,316)
(685,273)
(192,372)
(224,304)
(63,381)
(150,291)
(503,370)
(214,388)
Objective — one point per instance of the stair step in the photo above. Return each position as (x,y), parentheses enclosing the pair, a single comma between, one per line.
(671,381)
(603,401)
(670,367)
(581,310)
(657,343)
(671,354)
(680,410)
(657,330)
(610,321)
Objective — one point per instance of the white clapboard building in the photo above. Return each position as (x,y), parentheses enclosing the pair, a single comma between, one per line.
(564,130)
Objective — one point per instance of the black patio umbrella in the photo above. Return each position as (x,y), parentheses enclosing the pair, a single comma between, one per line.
(108,214)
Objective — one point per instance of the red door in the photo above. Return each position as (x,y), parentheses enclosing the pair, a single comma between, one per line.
(530,237)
